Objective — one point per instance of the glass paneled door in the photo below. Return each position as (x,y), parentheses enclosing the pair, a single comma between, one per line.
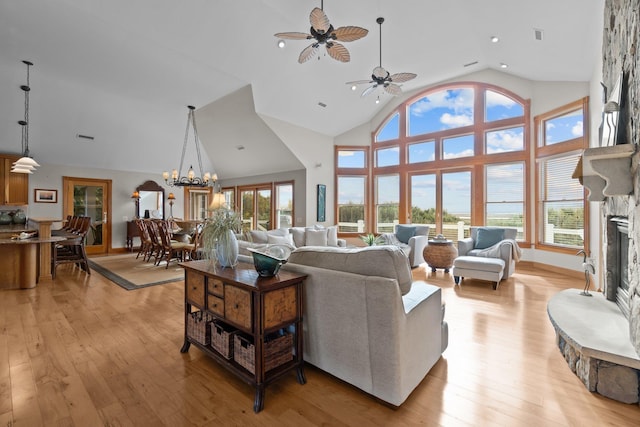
(92,198)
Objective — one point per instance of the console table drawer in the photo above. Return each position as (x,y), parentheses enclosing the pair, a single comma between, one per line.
(216,287)
(194,288)
(237,306)
(215,305)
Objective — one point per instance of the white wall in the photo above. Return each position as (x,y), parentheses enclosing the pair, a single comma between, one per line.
(315,151)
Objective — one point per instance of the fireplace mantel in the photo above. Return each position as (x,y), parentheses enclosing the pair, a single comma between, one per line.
(606,171)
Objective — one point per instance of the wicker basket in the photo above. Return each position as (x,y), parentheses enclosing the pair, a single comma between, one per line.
(222,338)
(278,349)
(198,326)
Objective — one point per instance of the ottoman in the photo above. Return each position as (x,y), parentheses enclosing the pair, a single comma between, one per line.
(477,267)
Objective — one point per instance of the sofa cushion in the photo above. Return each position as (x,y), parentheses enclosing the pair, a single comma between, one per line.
(487,237)
(332,235)
(280,240)
(315,237)
(259,236)
(382,261)
(405,232)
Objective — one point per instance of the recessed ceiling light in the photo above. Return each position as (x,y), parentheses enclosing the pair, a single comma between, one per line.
(281,44)
(494,39)
(503,65)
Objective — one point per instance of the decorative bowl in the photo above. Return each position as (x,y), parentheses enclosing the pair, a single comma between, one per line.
(269,260)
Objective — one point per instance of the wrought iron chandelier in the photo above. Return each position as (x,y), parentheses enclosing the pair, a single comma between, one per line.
(190,180)
(25,164)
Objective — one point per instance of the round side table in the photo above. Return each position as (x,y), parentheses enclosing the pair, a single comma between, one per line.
(440,254)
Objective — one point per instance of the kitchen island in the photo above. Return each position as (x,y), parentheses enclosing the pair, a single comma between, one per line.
(19,266)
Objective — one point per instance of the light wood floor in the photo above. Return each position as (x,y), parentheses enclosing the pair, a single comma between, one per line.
(81,351)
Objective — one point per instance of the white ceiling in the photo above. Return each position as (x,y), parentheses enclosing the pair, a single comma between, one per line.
(124,70)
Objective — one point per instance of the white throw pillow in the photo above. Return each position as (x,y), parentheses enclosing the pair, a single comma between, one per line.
(315,237)
(281,240)
(298,236)
(258,236)
(332,235)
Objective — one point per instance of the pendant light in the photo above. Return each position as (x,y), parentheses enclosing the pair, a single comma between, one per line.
(25,164)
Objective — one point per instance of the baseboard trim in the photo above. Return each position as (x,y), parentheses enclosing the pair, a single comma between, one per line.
(553,269)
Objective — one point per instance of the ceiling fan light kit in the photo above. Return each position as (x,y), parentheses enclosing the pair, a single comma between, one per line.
(323,33)
(381,77)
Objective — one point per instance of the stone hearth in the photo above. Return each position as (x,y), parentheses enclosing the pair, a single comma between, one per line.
(593,335)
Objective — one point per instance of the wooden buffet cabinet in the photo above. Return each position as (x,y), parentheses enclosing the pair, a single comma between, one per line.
(256,308)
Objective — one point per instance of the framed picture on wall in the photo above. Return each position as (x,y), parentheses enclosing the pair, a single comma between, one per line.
(322,195)
(45,196)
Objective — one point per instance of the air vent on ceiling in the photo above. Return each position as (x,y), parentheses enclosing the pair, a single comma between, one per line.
(538,33)
(322,104)
(469,64)
(239,147)
(80,136)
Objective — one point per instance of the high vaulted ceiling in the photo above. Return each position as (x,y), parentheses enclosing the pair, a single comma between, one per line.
(124,71)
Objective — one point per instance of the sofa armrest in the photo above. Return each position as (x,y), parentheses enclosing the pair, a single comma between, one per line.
(464,246)
(417,244)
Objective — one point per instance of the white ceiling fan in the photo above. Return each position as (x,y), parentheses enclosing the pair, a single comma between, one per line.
(323,33)
(381,77)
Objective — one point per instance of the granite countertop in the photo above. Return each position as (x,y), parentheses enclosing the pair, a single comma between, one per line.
(15,228)
(30,241)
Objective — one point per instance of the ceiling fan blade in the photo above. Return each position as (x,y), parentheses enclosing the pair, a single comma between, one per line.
(402,77)
(319,20)
(293,36)
(359,82)
(368,90)
(338,52)
(392,89)
(380,73)
(308,53)
(349,33)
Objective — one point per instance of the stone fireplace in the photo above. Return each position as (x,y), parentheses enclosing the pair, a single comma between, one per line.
(599,336)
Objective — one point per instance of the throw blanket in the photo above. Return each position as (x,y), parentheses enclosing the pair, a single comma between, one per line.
(494,251)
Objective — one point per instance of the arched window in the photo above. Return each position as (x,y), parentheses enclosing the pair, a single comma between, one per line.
(453,156)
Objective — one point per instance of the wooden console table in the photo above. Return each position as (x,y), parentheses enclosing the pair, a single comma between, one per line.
(255,306)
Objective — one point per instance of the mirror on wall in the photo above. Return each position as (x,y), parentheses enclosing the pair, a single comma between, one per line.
(151,200)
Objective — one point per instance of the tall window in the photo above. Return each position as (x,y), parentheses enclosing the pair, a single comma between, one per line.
(387,202)
(352,178)
(284,205)
(255,207)
(562,206)
(198,203)
(505,196)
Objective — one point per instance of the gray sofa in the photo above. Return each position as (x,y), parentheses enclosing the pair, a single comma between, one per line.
(365,320)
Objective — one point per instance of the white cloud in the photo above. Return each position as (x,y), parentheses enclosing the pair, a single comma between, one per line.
(505,140)
(494,99)
(576,130)
(458,101)
(464,153)
(454,121)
